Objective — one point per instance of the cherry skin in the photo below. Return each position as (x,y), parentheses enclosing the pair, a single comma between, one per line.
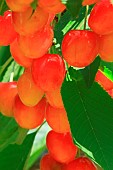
(29,22)
(101,17)
(24,2)
(105,48)
(8,91)
(18,55)
(89,2)
(105,82)
(48,163)
(57,119)
(81,163)
(54,98)
(37,45)
(7,32)
(48,72)
(52,6)
(80,47)
(29,117)
(15,6)
(61,146)
(28,92)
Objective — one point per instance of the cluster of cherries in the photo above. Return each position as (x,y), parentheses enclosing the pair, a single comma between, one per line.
(36,95)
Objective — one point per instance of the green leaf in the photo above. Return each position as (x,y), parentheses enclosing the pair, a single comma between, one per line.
(39,145)
(34,4)
(14,156)
(3,7)
(90,71)
(10,132)
(4,54)
(73,6)
(90,113)
(107,68)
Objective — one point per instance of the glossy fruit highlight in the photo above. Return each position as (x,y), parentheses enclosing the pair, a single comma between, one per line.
(48,72)
(80,47)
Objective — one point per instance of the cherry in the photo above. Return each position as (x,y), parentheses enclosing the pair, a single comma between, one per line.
(106,83)
(100,20)
(48,72)
(61,146)
(80,47)
(8,91)
(37,45)
(89,2)
(110,92)
(48,163)
(51,6)
(24,1)
(15,6)
(18,55)
(7,32)
(29,117)
(105,48)
(28,92)
(81,163)
(54,98)
(29,22)
(57,119)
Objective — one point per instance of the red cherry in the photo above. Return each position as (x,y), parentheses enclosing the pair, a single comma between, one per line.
(7,32)
(101,17)
(57,119)
(51,6)
(61,146)
(106,48)
(28,92)
(19,56)
(106,83)
(89,2)
(54,98)
(8,91)
(48,72)
(29,22)
(37,45)
(81,163)
(29,117)
(48,163)
(80,47)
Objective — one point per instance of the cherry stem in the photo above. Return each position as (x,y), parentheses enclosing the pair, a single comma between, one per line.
(86,14)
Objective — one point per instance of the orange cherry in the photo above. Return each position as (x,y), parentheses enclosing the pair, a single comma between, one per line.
(81,163)
(48,72)
(29,22)
(48,163)
(105,82)
(57,119)
(28,92)
(80,47)
(29,117)
(51,6)
(8,91)
(18,55)
(54,98)
(38,44)
(61,146)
